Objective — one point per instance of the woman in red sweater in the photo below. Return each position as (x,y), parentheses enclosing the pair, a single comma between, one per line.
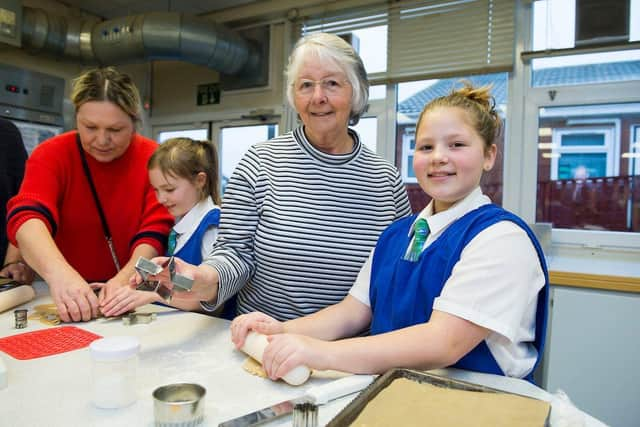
(86,211)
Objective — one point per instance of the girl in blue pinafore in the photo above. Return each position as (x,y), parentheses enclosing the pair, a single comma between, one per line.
(461,284)
(184,175)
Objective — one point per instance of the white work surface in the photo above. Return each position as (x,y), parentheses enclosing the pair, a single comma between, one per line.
(176,347)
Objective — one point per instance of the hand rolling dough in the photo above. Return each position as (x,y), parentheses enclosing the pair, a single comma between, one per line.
(254,345)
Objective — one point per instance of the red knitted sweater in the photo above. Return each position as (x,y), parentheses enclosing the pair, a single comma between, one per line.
(56,191)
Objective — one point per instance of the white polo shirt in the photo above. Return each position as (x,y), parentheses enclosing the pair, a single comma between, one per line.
(187,225)
(495,284)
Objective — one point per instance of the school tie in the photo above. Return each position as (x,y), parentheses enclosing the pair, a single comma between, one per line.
(420,233)
(172,242)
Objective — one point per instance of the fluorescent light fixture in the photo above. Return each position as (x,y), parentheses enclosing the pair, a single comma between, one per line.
(546,146)
(544,132)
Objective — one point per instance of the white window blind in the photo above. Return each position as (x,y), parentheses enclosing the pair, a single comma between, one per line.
(343,22)
(432,38)
(442,38)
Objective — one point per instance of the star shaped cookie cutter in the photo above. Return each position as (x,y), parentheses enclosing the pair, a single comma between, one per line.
(146,268)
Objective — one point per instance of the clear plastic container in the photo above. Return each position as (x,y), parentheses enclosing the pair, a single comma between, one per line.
(115,362)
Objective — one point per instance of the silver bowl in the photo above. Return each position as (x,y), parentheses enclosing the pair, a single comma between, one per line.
(178,405)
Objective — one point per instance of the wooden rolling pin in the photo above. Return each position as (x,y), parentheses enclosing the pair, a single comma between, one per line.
(254,346)
(16,296)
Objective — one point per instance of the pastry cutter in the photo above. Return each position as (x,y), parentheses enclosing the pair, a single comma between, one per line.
(146,268)
(317,395)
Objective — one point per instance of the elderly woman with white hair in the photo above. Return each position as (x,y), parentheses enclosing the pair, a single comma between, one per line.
(302,211)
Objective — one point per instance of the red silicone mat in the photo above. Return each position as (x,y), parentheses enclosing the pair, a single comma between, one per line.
(46,342)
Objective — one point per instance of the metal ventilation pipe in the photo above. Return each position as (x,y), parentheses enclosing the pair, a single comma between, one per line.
(158,35)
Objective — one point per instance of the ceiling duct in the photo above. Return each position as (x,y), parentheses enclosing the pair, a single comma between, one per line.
(150,36)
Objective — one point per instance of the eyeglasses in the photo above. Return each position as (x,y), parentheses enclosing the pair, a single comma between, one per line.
(329,86)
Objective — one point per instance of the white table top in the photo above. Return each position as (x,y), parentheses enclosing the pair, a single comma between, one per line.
(176,347)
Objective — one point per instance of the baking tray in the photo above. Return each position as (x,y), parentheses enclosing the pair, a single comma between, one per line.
(350,412)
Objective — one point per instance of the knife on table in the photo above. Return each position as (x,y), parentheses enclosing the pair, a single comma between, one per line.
(317,395)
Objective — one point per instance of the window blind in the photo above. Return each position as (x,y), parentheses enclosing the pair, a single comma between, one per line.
(346,21)
(444,38)
(432,38)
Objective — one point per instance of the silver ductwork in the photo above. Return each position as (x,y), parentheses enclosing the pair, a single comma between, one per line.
(151,36)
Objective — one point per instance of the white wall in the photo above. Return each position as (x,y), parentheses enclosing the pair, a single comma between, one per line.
(594,352)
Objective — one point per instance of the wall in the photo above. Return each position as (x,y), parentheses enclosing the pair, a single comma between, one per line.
(593,352)
(174,96)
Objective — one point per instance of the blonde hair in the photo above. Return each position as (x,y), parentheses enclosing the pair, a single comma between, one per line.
(186,158)
(479,106)
(107,84)
(330,48)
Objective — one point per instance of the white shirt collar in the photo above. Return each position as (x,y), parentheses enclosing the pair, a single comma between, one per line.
(440,221)
(186,225)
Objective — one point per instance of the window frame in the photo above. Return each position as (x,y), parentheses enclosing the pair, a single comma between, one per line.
(608,147)
(634,164)
(407,154)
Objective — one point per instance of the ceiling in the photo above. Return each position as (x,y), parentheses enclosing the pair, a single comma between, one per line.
(109,9)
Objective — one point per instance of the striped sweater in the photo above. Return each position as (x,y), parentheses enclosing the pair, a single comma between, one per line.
(297,224)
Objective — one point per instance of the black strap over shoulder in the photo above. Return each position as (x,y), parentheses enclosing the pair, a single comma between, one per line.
(103,219)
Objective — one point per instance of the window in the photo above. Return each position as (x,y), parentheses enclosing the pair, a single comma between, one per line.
(195,134)
(585,180)
(235,141)
(367,128)
(585,152)
(554,27)
(634,153)
(586,176)
(372,48)
(408,138)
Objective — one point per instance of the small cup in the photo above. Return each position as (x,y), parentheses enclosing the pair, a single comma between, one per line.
(115,363)
(178,405)
(21,318)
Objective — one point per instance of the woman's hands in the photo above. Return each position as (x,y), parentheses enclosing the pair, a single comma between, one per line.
(74,298)
(205,279)
(18,271)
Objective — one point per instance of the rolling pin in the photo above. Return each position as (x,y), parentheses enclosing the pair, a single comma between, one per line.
(16,296)
(254,346)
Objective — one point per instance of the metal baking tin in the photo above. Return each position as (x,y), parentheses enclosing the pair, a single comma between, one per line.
(350,412)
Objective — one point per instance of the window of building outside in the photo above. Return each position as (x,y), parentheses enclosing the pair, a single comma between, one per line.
(588,175)
(367,129)
(412,97)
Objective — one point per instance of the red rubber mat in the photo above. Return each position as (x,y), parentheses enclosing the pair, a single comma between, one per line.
(47,342)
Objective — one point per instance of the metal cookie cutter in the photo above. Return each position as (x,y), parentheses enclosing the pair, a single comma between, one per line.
(146,268)
(21,318)
(138,318)
(183,282)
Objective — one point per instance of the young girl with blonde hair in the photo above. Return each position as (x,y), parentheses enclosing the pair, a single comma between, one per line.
(184,175)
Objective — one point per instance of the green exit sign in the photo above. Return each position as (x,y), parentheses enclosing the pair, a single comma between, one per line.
(208,94)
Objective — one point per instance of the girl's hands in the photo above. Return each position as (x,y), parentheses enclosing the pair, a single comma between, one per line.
(125,299)
(288,351)
(285,351)
(256,321)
